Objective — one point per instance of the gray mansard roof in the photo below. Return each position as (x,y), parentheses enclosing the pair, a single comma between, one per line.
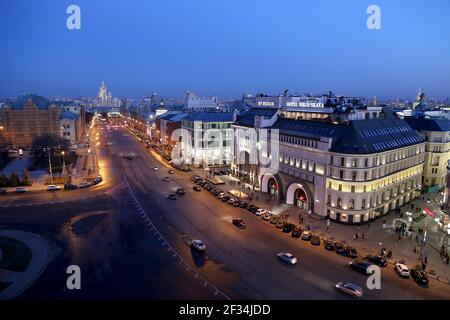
(429,124)
(247,119)
(357,137)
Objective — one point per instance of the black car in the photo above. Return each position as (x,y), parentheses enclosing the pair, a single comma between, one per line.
(180,191)
(288,227)
(69,186)
(297,232)
(251,208)
(378,260)
(340,249)
(329,245)
(360,266)
(238,222)
(198,182)
(419,275)
(217,192)
(315,240)
(197,188)
(172,197)
(97,180)
(351,252)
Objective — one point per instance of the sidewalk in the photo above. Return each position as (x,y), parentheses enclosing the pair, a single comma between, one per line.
(20,281)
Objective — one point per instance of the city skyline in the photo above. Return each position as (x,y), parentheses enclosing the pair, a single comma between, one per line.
(215,49)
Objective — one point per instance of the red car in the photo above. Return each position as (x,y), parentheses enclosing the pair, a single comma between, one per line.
(238,222)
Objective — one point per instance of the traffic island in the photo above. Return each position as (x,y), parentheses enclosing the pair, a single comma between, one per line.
(24,257)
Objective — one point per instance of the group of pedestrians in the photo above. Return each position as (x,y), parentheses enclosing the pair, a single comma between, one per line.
(357,236)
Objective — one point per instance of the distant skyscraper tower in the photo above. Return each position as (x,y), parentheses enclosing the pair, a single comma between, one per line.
(104,98)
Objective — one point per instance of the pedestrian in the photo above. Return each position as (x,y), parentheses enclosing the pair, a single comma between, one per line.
(447,258)
(389,254)
(424,266)
(399,239)
(363,235)
(357,236)
(414,249)
(426,260)
(417,239)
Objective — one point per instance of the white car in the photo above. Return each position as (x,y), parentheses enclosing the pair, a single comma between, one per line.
(85,184)
(198,245)
(268,215)
(232,200)
(350,289)
(221,195)
(402,269)
(260,212)
(155,168)
(287,258)
(53,187)
(306,235)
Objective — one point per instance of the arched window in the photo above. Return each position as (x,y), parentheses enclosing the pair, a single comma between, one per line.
(351,204)
(363,204)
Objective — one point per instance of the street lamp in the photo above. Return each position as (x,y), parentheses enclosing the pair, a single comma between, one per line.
(64,163)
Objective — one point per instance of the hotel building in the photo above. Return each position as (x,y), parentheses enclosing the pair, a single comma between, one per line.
(351,164)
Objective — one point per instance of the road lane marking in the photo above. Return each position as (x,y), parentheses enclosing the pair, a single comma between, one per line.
(170,248)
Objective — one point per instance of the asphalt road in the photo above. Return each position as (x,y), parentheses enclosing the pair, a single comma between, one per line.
(123,257)
(242,262)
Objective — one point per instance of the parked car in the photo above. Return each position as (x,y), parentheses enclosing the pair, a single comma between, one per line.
(351,252)
(260,212)
(198,245)
(329,245)
(221,195)
(180,191)
(360,266)
(252,208)
(216,192)
(171,172)
(378,260)
(268,215)
(53,187)
(195,178)
(85,184)
(315,240)
(97,180)
(402,269)
(350,289)
(274,219)
(296,233)
(288,227)
(236,203)
(225,198)
(340,248)
(21,190)
(306,235)
(419,275)
(287,258)
(280,224)
(232,200)
(243,204)
(155,168)
(172,197)
(238,222)
(197,188)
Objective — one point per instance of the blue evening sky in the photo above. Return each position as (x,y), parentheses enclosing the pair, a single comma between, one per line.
(225,47)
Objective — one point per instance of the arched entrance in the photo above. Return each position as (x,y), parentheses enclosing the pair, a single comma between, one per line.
(299,194)
(273,187)
(301,199)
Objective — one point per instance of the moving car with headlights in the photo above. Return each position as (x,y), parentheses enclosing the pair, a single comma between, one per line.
(238,222)
(401,269)
(53,187)
(287,258)
(155,168)
(180,191)
(197,188)
(419,275)
(21,190)
(198,245)
(350,289)
(378,260)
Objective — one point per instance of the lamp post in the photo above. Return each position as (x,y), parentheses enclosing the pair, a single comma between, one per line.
(64,164)
(50,166)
